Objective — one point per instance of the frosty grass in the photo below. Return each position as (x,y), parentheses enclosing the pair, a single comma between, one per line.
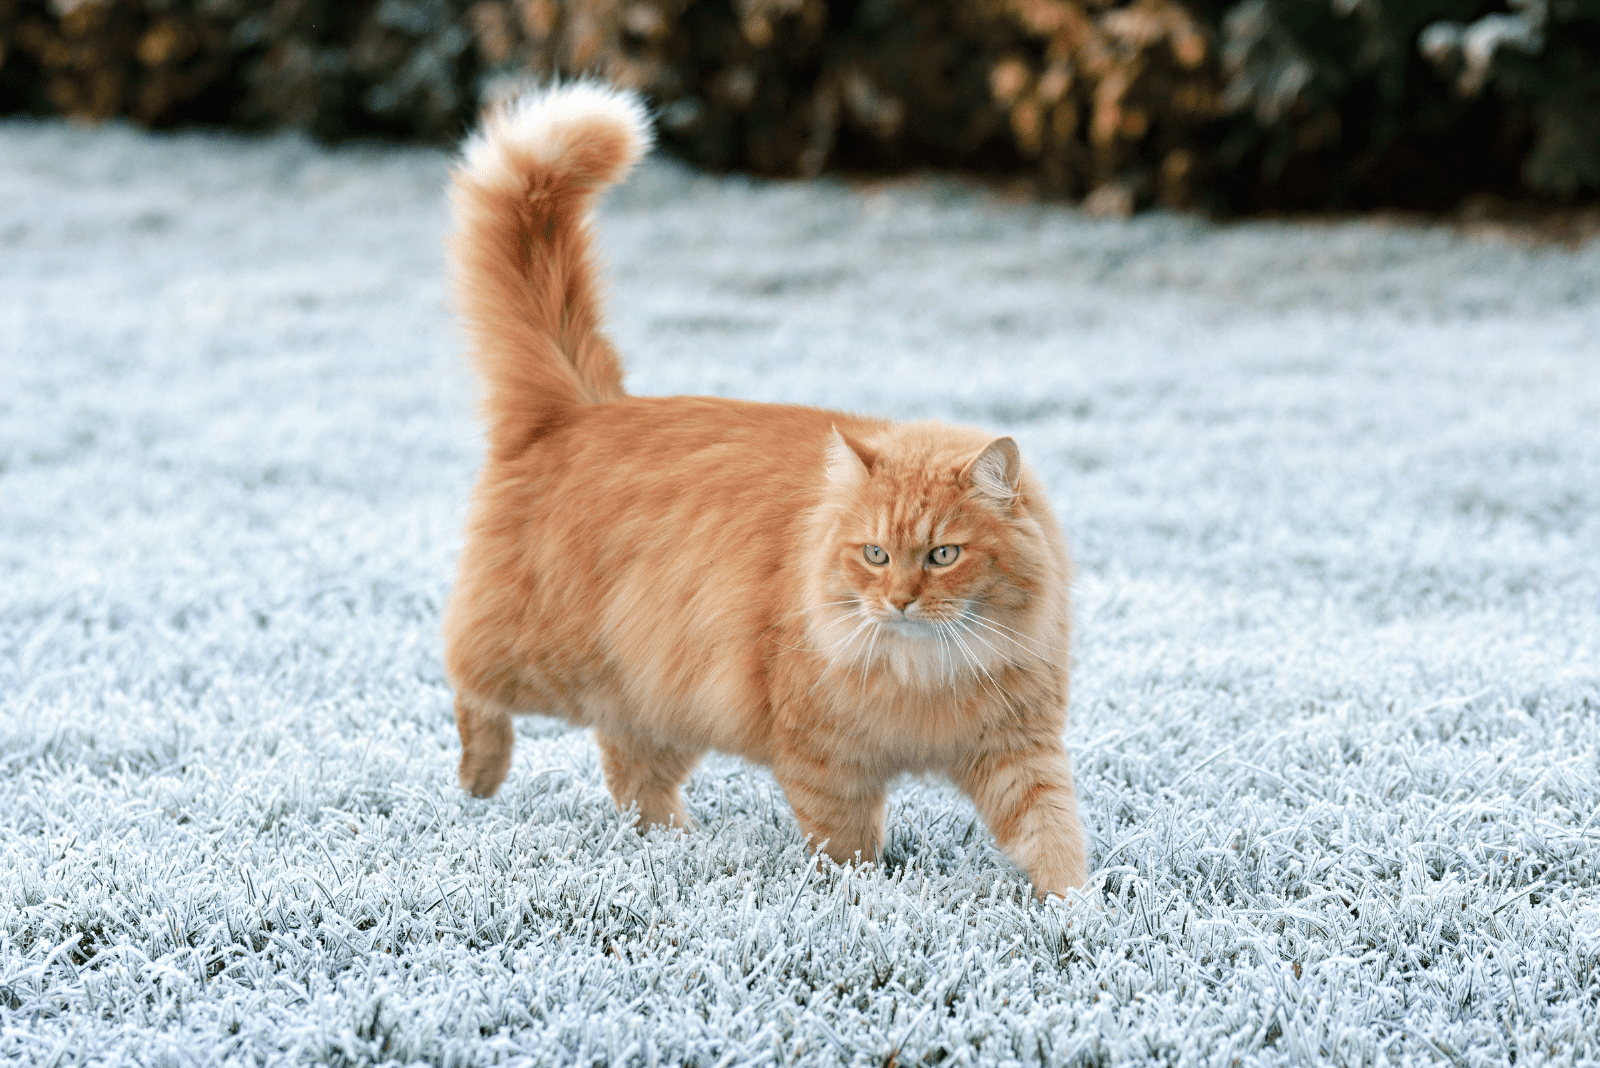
(1334,493)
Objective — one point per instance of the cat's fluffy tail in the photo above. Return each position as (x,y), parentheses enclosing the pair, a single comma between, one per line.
(524,272)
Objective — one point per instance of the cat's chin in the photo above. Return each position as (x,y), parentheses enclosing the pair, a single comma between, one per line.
(909,628)
(918,655)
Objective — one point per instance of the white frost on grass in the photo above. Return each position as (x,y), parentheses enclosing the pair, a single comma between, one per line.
(1334,490)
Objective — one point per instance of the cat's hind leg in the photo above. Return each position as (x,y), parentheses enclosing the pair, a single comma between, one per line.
(641,772)
(1026,797)
(486,741)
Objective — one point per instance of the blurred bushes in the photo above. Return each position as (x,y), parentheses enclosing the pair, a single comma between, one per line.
(341,70)
(1233,104)
(1360,102)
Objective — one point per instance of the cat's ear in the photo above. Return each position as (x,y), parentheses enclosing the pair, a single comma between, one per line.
(995,472)
(849,461)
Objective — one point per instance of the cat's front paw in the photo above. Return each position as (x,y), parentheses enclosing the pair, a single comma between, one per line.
(1063,875)
(486,741)
(482,773)
(669,813)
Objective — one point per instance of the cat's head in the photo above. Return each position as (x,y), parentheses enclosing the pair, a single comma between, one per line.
(932,545)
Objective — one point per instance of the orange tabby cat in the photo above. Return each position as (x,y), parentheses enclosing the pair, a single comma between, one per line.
(838,598)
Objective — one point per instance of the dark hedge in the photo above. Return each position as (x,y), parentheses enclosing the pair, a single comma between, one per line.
(1270,104)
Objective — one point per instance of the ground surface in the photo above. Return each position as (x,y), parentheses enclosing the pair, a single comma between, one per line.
(1334,491)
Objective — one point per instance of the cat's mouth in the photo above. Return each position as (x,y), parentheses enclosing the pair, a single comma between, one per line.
(908,625)
(913,625)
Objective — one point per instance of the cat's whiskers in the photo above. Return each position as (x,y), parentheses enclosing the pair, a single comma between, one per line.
(819,607)
(865,622)
(866,663)
(1012,704)
(966,652)
(833,657)
(948,631)
(999,691)
(870,625)
(997,624)
(813,648)
(975,636)
(966,628)
(810,648)
(947,662)
(1015,637)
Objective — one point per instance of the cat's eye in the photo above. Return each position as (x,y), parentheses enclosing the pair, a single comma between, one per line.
(944,555)
(875,555)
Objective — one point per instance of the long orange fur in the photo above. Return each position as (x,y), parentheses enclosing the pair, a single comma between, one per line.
(685,574)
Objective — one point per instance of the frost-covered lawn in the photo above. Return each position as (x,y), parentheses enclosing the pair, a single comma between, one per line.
(1334,491)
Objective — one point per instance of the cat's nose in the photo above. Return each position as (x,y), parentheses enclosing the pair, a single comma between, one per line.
(901,601)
